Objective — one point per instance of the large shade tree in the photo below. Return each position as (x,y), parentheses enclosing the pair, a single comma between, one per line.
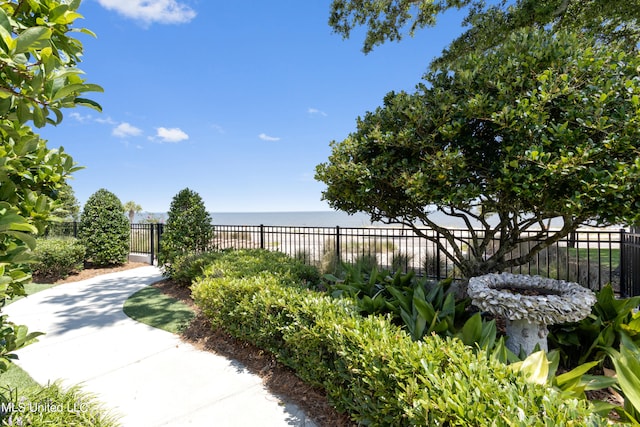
(487,23)
(543,125)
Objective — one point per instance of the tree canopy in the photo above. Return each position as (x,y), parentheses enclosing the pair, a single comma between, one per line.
(543,125)
(488,24)
(104,230)
(188,228)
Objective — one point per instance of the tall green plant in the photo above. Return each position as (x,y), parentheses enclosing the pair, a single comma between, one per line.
(627,365)
(591,338)
(39,77)
(188,228)
(104,229)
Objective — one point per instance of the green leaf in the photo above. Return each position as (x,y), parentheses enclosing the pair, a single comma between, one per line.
(535,367)
(8,41)
(4,21)
(627,366)
(575,373)
(28,239)
(23,111)
(88,103)
(76,88)
(14,222)
(489,333)
(38,117)
(598,382)
(472,330)
(32,38)
(424,309)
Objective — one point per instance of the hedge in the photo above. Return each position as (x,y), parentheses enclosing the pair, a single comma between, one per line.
(58,257)
(369,367)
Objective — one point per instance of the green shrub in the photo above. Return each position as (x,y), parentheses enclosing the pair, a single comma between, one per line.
(370,367)
(104,229)
(242,263)
(188,229)
(251,262)
(187,267)
(58,257)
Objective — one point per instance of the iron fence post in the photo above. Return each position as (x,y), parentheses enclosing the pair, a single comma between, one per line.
(438,272)
(338,242)
(261,236)
(623,264)
(152,242)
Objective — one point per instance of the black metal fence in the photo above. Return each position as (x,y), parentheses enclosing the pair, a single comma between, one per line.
(630,263)
(589,257)
(144,238)
(592,258)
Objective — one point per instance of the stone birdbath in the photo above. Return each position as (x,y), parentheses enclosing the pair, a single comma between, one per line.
(529,304)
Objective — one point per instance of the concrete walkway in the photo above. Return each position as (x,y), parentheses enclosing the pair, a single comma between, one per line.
(147,376)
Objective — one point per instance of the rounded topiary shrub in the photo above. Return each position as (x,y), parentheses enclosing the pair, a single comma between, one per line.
(57,257)
(188,228)
(104,229)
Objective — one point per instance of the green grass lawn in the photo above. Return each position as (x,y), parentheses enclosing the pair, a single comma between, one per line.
(609,258)
(153,308)
(16,377)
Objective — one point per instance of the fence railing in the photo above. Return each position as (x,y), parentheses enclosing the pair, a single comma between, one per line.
(144,238)
(589,257)
(592,258)
(630,263)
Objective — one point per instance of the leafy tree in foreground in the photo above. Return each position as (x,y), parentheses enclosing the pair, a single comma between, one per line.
(38,77)
(188,227)
(542,126)
(104,229)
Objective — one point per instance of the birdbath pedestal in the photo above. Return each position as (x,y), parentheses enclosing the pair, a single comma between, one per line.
(529,304)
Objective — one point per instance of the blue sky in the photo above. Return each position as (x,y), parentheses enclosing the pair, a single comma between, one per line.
(236,100)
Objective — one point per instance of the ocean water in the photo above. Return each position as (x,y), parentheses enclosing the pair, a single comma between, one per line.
(296,219)
(301,219)
(315,219)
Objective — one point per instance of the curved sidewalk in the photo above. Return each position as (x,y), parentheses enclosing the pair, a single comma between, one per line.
(147,376)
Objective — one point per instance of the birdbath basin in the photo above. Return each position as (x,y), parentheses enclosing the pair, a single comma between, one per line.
(529,304)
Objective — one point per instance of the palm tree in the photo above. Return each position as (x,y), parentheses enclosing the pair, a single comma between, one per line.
(133,208)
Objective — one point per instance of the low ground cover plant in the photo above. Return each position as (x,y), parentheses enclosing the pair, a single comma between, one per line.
(52,405)
(370,367)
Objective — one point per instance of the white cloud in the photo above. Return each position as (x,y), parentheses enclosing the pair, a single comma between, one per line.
(150,11)
(265,137)
(79,117)
(315,111)
(171,134)
(124,130)
(106,121)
